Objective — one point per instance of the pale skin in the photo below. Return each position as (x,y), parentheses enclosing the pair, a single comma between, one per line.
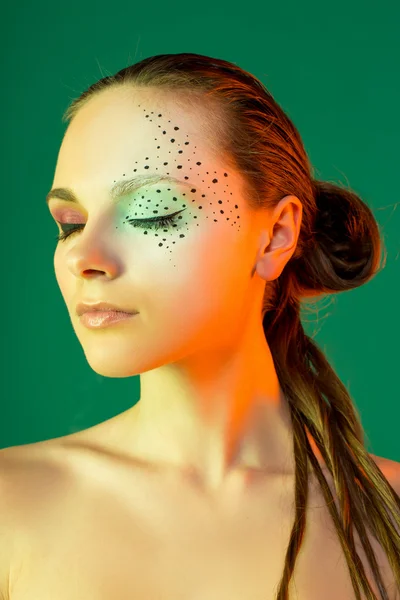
(210,401)
(188,494)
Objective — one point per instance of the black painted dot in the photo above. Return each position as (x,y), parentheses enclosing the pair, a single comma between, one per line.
(200,207)
(219,201)
(186,143)
(193,190)
(176,128)
(180,151)
(225,174)
(160,244)
(222,212)
(159,115)
(236,206)
(179,167)
(215,180)
(182,235)
(165,163)
(172,140)
(158,191)
(198,163)
(147,166)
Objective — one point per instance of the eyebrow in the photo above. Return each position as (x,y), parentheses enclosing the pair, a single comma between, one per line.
(120,189)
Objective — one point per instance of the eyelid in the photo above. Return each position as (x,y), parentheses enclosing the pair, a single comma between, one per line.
(167,221)
(160,221)
(61,213)
(129,219)
(156,217)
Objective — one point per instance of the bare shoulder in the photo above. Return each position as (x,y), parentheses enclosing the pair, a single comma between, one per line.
(28,478)
(24,471)
(7,518)
(27,465)
(36,479)
(14,477)
(29,473)
(390,469)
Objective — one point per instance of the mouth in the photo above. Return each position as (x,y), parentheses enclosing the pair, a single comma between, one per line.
(84,307)
(103,318)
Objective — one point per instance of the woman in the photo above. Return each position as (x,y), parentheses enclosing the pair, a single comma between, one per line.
(185,200)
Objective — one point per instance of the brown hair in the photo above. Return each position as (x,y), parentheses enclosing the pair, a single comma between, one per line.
(339,248)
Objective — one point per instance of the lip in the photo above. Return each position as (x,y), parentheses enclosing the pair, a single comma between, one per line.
(98,319)
(83,308)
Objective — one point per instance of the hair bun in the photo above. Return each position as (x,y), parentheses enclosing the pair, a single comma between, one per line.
(347,247)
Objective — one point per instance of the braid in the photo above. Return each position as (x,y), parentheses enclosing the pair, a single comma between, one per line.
(332,421)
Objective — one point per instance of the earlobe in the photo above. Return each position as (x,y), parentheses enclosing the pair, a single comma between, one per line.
(268,266)
(276,254)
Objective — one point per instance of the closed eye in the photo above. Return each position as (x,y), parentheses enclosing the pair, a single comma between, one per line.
(155,223)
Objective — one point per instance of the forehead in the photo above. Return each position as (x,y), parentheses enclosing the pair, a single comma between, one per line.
(128,130)
(135,120)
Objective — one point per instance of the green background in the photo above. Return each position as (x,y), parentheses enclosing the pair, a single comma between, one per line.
(333,68)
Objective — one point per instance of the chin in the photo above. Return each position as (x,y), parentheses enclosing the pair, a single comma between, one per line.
(116,365)
(125,361)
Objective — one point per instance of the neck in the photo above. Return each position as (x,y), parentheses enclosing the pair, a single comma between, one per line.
(217,415)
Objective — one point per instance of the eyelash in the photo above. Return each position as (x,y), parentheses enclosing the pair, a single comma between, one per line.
(156,223)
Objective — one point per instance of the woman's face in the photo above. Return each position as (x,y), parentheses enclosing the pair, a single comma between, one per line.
(191,280)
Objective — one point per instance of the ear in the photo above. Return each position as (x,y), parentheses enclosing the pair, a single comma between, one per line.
(278,240)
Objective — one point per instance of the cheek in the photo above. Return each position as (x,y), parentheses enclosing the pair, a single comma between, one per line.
(190,283)
(197,262)
(65,280)
(58,266)
(164,253)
